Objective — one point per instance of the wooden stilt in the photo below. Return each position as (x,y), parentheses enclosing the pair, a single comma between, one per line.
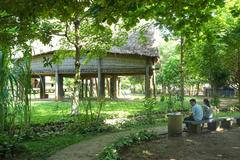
(101,81)
(148,82)
(113,86)
(42,87)
(91,88)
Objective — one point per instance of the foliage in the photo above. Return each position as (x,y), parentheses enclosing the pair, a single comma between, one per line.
(81,127)
(3,90)
(231,57)
(111,152)
(134,81)
(10,147)
(40,149)
(170,75)
(16,80)
(215,102)
(205,56)
(231,108)
(88,38)
(149,104)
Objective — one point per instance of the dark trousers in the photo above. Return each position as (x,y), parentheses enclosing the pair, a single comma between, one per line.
(190,118)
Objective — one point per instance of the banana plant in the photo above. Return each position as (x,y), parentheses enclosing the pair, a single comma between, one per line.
(15,91)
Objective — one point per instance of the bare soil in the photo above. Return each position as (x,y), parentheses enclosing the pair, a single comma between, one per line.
(219,145)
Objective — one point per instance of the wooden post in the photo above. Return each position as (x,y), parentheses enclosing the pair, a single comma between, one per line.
(101,80)
(59,93)
(113,86)
(108,87)
(96,85)
(154,84)
(82,92)
(42,86)
(86,87)
(148,82)
(119,87)
(91,88)
(56,84)
(60,87)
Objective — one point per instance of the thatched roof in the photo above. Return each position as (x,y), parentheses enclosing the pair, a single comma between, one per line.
(134,46)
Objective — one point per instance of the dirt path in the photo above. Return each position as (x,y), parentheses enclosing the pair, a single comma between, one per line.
(87,150)
(221,145)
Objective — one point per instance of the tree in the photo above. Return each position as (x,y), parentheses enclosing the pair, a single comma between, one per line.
(232,57)
(170,75)
(214,54)
(19,25)
(89,39)
(181,18)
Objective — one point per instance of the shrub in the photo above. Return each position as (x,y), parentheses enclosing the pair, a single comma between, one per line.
(215,102)
(111,152)
(10,147)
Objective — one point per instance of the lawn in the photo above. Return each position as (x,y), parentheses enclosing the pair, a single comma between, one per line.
(49,111)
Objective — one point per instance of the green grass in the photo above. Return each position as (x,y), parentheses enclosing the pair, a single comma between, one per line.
(227,114)
(48,111)
(40,149)
(43,112)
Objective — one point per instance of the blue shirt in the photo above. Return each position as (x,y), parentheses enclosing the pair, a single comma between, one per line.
(197,112)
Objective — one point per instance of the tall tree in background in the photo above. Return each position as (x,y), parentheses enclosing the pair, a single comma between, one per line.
(214,55)
(231,58)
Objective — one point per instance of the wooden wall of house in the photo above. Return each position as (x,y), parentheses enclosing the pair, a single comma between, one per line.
(110,64)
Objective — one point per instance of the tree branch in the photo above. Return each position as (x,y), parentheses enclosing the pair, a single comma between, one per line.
(66,35)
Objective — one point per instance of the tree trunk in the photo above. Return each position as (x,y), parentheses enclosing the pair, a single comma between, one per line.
(214,91)
(77,79)
(238,74)
(27,90)
(182,71)
(197,93)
